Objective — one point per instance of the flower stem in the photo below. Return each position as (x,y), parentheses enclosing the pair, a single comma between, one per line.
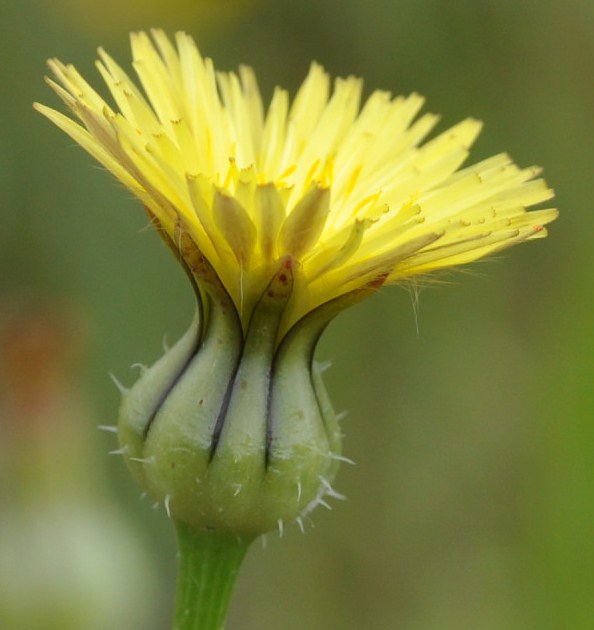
(208,566)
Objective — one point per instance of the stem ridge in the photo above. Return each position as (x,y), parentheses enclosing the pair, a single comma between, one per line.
(209,563)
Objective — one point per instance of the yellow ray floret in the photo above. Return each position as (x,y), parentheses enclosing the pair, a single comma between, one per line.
(351,193)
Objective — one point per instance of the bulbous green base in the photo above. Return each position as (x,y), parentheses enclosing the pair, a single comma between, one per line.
(233,431)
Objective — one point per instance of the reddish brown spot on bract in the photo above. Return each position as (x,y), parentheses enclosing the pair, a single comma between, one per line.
(377,282)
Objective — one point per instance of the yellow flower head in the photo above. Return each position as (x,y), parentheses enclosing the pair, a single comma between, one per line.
(281,218)
(346,196)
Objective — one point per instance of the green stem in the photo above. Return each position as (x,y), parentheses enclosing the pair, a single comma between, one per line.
(208,566)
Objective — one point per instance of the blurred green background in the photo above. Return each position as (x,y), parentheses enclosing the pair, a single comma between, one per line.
(470,409)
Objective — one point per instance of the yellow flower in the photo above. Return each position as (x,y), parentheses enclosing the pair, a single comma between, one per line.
(349,195)
(281,219)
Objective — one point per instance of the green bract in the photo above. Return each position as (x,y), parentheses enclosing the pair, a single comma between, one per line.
(233,431)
